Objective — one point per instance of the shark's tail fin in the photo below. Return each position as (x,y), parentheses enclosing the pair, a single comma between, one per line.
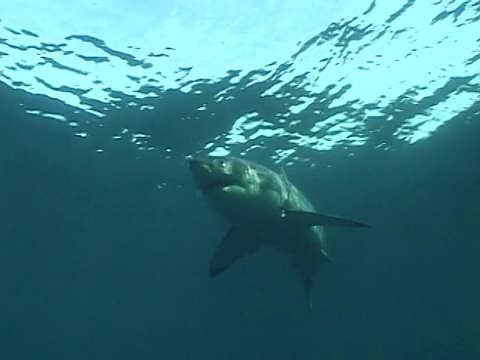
(307,283)
(307,267)
(306,273)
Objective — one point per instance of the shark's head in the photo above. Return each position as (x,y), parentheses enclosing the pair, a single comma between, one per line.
(216,173)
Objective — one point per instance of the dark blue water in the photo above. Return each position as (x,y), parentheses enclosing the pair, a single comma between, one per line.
(105,241)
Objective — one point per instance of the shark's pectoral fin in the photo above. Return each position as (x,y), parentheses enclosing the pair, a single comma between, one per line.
(308,219)
(235,245)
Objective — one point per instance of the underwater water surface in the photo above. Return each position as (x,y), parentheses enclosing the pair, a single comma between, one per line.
(371,107)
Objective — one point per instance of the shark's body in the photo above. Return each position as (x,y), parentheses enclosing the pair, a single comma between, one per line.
(263,208)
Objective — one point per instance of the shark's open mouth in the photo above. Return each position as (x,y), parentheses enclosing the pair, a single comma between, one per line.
(216,185)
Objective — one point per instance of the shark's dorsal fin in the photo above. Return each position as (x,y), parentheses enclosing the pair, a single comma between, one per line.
(234,245)
(308,219)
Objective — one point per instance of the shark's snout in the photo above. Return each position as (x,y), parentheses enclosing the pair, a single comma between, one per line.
(208,175)
(196,164)
(201,172)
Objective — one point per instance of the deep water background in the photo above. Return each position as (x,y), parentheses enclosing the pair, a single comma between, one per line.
(97,262)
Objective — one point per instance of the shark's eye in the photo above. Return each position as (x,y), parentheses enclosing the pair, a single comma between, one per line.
(221,163)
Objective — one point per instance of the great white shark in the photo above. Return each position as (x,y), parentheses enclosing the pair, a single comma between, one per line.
(263,208)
